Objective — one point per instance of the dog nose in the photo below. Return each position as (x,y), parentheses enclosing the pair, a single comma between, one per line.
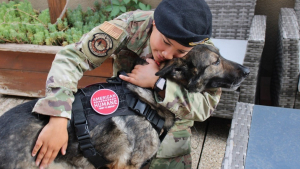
(245,71)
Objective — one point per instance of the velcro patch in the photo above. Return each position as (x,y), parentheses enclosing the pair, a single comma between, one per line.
(100,44)
(105,101)
(111,30)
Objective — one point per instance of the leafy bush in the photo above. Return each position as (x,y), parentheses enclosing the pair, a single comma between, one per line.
(20,23)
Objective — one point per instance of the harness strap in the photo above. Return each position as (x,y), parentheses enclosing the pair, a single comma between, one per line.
(83,135)
(82,129)
(139,106)
(145,110)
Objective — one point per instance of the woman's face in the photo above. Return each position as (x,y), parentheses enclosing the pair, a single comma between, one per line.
(164,48)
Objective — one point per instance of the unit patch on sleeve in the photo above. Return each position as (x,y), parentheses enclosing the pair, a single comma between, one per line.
(100,44)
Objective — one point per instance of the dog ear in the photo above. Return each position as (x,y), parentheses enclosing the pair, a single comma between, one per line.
(196,84)
(167,68)
(140,61)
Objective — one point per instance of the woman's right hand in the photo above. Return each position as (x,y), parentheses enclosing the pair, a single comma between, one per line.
(53,137)
(143,75)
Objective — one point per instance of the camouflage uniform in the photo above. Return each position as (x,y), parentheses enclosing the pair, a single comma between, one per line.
(125,38)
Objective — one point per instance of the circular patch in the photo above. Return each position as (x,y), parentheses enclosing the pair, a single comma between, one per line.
(100,44)
(105,101)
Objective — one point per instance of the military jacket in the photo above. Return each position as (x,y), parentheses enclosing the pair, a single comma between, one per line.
(124,39)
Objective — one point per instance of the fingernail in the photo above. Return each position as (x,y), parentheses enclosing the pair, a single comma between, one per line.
(33,155)
(64,152)
(37,163)
(41,167)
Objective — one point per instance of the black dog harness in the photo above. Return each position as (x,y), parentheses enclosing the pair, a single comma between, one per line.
(85,118)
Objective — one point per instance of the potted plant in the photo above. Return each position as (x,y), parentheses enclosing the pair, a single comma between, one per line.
(29,42)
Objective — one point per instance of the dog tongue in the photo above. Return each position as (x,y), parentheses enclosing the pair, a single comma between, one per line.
(157,62)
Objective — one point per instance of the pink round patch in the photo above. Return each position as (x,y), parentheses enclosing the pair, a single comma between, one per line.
(105,101)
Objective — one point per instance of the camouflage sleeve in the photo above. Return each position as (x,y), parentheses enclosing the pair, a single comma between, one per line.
(188,105)
(71,62)
(67,68)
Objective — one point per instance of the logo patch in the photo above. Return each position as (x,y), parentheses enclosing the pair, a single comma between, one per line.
(105,101)
(100,44)
(198,43)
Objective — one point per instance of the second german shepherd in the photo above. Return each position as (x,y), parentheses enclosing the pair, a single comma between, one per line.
(124,141)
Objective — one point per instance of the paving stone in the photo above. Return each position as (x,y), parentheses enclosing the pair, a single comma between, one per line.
(215,143)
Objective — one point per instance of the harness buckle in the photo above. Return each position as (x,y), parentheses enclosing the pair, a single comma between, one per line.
(81,129)
(116,80)
(140,107)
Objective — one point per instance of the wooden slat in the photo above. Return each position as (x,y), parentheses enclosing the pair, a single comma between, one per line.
(105,70)
(25,73)
(32,84)
(41,62)
(26,61)
(30,48)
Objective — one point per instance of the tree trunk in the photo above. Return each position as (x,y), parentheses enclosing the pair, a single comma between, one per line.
(55,9)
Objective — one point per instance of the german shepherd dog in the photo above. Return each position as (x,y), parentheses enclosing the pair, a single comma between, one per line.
(124,141)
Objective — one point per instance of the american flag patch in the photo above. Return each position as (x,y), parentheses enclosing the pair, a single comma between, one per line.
(111,30)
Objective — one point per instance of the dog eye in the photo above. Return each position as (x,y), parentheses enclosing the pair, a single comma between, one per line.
(217,62)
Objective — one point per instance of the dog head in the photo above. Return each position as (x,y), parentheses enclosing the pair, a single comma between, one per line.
(203,67)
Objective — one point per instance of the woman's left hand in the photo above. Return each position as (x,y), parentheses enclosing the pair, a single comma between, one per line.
(143,75)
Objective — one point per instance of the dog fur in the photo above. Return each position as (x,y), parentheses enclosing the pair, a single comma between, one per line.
(126,141)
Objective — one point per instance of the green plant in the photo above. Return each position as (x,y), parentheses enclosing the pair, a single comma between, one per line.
(20,23)
(114,8)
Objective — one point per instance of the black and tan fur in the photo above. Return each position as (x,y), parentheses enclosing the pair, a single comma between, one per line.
(126,141)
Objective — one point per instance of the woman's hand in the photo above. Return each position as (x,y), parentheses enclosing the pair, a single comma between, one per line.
(53,137)
(143,75)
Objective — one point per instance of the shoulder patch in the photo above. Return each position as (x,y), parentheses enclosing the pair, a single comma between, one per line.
(111,30)
(100,44)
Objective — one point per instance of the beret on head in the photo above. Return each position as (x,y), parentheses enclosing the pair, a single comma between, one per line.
(189,22)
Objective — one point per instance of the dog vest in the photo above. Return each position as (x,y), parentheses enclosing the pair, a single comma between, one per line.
(85,118)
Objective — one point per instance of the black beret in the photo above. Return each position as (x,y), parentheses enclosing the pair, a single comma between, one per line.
(189,22)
